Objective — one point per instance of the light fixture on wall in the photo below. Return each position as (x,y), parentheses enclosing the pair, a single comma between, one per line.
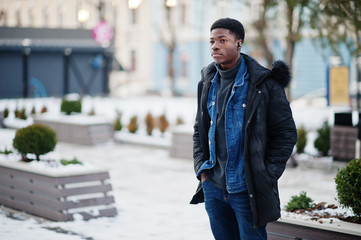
(83,15)
(134,4)
(171,3)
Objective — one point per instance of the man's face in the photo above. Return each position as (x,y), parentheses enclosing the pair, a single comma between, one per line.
(224,48)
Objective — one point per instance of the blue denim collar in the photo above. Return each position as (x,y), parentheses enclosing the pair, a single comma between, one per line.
(241,73)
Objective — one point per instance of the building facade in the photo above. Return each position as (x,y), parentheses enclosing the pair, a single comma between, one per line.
(162,45)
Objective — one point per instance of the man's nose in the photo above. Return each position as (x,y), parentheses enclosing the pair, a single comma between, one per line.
(214,46)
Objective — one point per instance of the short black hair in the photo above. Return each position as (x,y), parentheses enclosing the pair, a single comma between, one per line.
(232,25)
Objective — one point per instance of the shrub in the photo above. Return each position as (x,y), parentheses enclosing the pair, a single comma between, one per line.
(70,106)
(118,124)
(348,186)
(43,109)
(92,112)
(67,162)
(16,112)
(33,110)
(322,142)
(149,122)
(163,123)
(6,113)
(37,139)
(133,124)
(301,140)
(179,121)
(299,202)
(22,114)
(6,151)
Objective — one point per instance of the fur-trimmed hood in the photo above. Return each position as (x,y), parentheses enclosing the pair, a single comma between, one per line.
(281,73)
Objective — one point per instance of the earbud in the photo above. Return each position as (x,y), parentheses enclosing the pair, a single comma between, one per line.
(239,45)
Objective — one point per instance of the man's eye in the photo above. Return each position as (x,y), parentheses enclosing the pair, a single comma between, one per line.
(211,42)
(223,40)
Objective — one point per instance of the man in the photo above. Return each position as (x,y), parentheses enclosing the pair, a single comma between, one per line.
(243,136)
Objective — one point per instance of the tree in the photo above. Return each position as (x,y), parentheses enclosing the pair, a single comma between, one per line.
(295,21)
(338,22)
(170,43)
(261,26)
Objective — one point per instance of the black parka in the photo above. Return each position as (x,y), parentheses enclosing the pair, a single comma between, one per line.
(269,140)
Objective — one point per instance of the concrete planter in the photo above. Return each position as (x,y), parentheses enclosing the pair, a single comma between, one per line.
(293,228)
(182,142)
(78,128)
(56,196)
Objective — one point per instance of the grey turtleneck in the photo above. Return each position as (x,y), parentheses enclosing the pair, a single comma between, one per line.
(225,83)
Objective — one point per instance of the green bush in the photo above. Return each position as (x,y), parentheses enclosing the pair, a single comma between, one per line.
(67,162)
(301,140)
(33,110)
(149,122)
(322,142)
(133,124)
(70,106)
(348,186)
(6,151)
(37,139)
(299,202)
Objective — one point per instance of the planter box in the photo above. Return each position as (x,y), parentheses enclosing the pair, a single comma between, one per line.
(78,128)
(56,196)
(343,140)
(292,228)
(182,142)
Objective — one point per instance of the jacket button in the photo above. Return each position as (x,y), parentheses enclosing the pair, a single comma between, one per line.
(251,195)
(259,91)
(213,103)
(209,142)
(243,105)
(211,122)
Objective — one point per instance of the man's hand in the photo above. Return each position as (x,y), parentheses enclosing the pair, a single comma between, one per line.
(203,177)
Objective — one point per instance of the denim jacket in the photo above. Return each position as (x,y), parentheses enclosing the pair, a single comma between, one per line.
(234,125)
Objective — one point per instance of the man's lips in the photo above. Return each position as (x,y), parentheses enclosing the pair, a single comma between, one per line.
(216,54)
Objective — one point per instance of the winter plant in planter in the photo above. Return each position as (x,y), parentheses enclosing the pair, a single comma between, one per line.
(150,124)
(348,186)
(70,106)
(133,124)
(53,191)
(37,139)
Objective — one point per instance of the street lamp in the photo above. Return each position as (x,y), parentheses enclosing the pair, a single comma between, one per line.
(134,4)
(170,3)
(83,15)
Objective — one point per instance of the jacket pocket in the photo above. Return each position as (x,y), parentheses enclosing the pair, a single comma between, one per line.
(239,111)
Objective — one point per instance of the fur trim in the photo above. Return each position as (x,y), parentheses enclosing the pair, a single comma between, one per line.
(281,73)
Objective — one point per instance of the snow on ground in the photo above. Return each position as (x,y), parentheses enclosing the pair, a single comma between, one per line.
(152,190)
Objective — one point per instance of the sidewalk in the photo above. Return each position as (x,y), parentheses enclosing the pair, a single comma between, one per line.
(152,193)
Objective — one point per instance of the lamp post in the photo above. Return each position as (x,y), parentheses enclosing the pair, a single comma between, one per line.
(169,4)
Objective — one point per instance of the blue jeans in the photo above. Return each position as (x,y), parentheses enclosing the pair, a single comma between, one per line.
(230,215)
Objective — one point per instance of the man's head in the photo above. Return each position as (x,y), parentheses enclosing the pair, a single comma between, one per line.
(232,25)
(226,40)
